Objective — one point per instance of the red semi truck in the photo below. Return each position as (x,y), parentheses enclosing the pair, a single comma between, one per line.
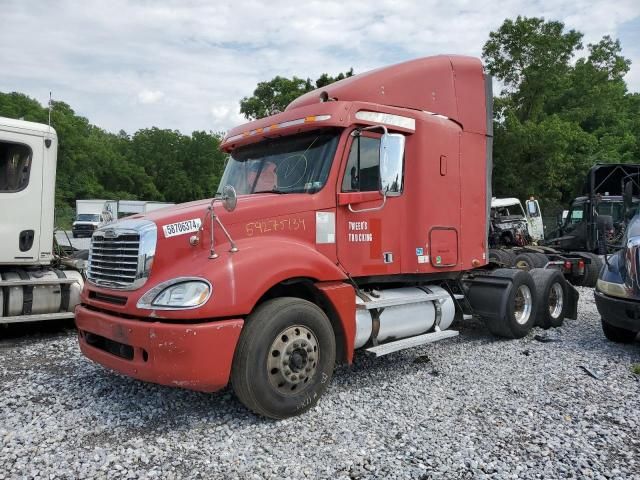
(355,219)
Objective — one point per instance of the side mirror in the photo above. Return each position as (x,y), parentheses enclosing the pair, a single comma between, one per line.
(391,164)
(229,198)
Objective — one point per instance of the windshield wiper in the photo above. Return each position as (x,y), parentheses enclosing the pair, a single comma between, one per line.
(279,192)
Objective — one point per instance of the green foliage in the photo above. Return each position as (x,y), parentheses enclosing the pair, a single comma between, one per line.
(557,115)
(635,368)
(273,96)
(153,164)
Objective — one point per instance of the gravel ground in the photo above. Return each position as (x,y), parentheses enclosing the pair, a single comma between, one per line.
(473,407)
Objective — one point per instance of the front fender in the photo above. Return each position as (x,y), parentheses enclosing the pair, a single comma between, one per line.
(240,279)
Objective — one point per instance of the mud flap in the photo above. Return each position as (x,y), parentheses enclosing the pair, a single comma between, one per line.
(572,297)
(487,295)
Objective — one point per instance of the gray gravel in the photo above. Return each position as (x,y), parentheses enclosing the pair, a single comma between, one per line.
(473,407)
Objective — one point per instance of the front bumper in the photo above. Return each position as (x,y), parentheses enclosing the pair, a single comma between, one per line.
(618,312)
(193,356)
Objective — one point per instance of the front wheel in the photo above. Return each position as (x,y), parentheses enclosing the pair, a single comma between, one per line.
(284,359)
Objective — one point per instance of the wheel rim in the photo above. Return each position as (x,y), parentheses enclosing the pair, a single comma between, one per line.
(522,265)
(556,300)
(292,359)
(522,304)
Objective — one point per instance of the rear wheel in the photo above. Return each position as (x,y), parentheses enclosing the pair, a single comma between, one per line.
(284,359)
(591,271)
(551,290)
(517,316)
(503,257)
(617,334)
(530,260)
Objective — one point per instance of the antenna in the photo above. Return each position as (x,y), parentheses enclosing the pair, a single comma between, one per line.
(50,105)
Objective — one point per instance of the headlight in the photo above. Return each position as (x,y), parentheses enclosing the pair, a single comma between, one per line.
(612,289)
(179,293)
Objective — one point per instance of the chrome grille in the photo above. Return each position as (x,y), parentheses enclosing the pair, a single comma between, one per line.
(121,254)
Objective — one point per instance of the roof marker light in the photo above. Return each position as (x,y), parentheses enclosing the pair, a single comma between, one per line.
(275,126)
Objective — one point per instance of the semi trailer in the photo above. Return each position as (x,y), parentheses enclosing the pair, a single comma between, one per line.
(38,280)
(357,219)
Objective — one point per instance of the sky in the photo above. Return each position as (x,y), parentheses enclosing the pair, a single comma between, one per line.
(185,65)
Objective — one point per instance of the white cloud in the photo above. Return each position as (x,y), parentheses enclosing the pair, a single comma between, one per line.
(150,96)
(202,57)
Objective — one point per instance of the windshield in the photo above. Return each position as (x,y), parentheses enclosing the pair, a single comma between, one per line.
(292,164)
(88,217)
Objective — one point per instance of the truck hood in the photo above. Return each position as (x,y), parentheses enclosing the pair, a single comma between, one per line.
(249,208)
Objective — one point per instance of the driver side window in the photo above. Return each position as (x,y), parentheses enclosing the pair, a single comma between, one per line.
(367,177)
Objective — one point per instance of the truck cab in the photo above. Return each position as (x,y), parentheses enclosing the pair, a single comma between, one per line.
(35,285)
(512,225)
(357,218)
(597,218)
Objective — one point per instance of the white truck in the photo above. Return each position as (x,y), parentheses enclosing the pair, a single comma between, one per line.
(91,215)
(36,281)
(508,211)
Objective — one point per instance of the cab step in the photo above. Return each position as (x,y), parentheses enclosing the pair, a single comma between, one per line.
(387,348)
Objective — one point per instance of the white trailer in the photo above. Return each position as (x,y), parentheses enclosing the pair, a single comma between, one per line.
(132,207)
(34,282)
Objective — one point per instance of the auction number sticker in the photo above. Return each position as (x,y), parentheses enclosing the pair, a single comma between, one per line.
(182,228)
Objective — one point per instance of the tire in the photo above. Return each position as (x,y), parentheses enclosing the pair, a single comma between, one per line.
(266,382)
(514,321)
(500,256)
(551,291)
(529,261)
(511,257)
(591,271)
(617,334)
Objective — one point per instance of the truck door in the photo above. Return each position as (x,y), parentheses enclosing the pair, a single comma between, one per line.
(534,215)
(369,228)
(20,197)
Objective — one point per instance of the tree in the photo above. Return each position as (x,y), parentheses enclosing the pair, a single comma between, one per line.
(273,96)
(557,115)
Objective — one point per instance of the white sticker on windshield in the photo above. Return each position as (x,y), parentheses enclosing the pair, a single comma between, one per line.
(182,228)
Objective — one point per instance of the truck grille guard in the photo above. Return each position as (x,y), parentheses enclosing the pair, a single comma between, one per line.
(121,255)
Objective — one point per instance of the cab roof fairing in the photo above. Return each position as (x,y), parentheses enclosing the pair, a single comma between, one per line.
(444,85)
